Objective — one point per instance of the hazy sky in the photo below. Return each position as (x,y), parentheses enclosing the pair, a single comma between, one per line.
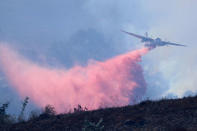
(63,33)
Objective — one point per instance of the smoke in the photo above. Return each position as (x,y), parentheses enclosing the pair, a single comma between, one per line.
(114,82)
(172,68)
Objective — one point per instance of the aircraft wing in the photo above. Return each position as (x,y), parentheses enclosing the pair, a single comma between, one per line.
(137,36)
(169,43)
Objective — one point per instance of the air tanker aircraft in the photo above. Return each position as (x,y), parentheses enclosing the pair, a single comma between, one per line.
(150,42)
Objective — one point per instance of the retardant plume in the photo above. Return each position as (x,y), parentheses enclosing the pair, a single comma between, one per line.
(114,82)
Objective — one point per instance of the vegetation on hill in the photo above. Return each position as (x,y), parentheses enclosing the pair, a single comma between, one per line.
(165,114)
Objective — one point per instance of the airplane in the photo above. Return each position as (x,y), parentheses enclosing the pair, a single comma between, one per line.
(150,42)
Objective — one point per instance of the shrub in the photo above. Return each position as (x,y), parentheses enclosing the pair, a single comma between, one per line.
(21,116)
(4,117)
(80,109)
(49,110)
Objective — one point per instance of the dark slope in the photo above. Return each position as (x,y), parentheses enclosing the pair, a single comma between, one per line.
(173,114)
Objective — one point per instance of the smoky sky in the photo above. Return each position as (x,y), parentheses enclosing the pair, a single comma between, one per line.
(65,33)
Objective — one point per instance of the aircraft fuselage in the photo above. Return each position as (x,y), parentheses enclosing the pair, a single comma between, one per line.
(152,43)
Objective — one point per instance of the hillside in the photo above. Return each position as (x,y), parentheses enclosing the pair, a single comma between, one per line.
(165,114)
